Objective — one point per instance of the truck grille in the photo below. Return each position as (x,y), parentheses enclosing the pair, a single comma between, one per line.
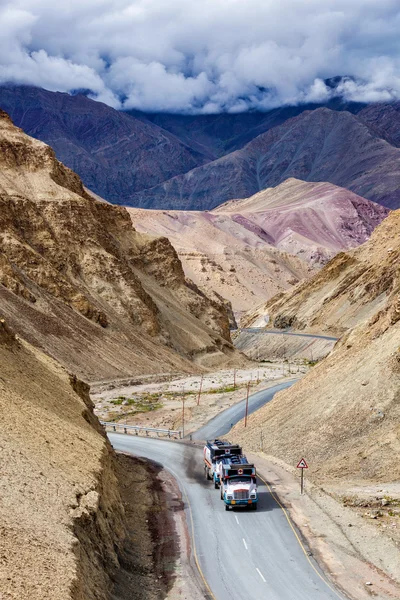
(241,495)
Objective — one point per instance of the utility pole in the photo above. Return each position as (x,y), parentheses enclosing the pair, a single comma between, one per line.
(247,404)
(183,412)
(201,385)
(234,379)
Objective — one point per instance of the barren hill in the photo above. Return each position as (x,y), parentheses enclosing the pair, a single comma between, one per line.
(79,281)
(344,415)
(352,287)
(62,519)
(244,249)
(319,145)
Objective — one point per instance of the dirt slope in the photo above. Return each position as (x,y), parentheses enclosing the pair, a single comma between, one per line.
(78,280)
(344,415)
(62,520)
(244,249)
(351,288)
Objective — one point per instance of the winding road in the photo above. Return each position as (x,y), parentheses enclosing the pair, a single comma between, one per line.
(241,555)
(261,330)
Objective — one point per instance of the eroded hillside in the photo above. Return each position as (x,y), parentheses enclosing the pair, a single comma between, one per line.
(62,519)
(344,415)
(80,282)
(352,287)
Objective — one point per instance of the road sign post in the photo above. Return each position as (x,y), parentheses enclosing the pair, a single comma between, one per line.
(302,464)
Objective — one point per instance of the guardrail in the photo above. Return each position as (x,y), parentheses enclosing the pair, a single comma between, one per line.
(136,428)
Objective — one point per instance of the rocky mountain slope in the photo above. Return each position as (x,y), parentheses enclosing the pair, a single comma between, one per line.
(343,416)
(78,281)
(352,287)
(320,145)
(62,519)
(244,248)
(384,119)
(114,153)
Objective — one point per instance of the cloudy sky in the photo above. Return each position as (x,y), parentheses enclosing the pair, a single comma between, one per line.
(203,55)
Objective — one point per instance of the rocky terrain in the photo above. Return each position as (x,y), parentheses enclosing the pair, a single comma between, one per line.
(319,145)
(352,287)
(345,412)
(78,281)
(246,250)
(384,119)
(114,153)
(62,519)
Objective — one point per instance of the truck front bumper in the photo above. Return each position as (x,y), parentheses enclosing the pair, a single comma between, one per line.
(241,502)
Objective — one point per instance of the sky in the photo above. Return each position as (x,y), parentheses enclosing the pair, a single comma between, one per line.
(204,56)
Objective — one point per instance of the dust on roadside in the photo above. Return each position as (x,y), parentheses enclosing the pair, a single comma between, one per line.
(155,560)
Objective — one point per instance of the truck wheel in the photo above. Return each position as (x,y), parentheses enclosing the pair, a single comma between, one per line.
(216,485)
(222,494)
(254,507)
(226,506)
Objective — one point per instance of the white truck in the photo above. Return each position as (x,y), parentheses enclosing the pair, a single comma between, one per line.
(238,482)
(214,452)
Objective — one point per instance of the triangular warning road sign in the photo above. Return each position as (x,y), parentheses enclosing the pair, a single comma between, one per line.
(302,464)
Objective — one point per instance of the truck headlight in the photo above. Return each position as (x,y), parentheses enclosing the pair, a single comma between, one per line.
(253,495)
(229,497)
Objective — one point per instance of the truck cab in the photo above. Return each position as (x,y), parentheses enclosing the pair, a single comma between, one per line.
(238,483)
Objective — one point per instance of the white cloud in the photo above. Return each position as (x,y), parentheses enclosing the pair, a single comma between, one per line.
(203,55)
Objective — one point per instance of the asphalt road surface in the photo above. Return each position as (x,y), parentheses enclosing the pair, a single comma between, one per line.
(283,332)
(242,555)
(222,423)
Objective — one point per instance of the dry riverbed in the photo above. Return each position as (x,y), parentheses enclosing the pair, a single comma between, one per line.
(161,404)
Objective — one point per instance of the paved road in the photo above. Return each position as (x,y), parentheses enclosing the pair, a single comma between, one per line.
(280,332)
(223,422)
(243,555)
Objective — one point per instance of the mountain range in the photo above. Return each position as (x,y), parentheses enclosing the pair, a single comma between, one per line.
(197,162)
(248,250)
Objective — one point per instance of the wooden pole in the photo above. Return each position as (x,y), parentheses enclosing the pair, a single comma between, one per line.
(247,404)
(183,412)
(201,385)
(234,379)
(302,481)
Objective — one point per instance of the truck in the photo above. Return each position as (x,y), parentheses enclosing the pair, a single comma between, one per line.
(238,482)
(214,451)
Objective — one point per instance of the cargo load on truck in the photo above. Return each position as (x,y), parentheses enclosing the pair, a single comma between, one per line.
(214,452)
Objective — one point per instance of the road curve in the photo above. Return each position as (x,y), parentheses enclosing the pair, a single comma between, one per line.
(261,330)
(224,422)
(243,555)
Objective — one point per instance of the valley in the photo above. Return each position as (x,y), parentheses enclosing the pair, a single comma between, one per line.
(196,265)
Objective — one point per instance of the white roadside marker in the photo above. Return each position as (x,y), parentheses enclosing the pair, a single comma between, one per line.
(237,520)
(245,545)
(261,575)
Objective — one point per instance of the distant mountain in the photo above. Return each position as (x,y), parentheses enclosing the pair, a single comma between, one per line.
(217,135)
(248,250)
(384,119)
(114,153)
(320,145)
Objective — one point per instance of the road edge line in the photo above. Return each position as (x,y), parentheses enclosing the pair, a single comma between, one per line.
(289,520)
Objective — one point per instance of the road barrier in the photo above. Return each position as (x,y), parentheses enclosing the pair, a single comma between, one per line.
(137,428)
